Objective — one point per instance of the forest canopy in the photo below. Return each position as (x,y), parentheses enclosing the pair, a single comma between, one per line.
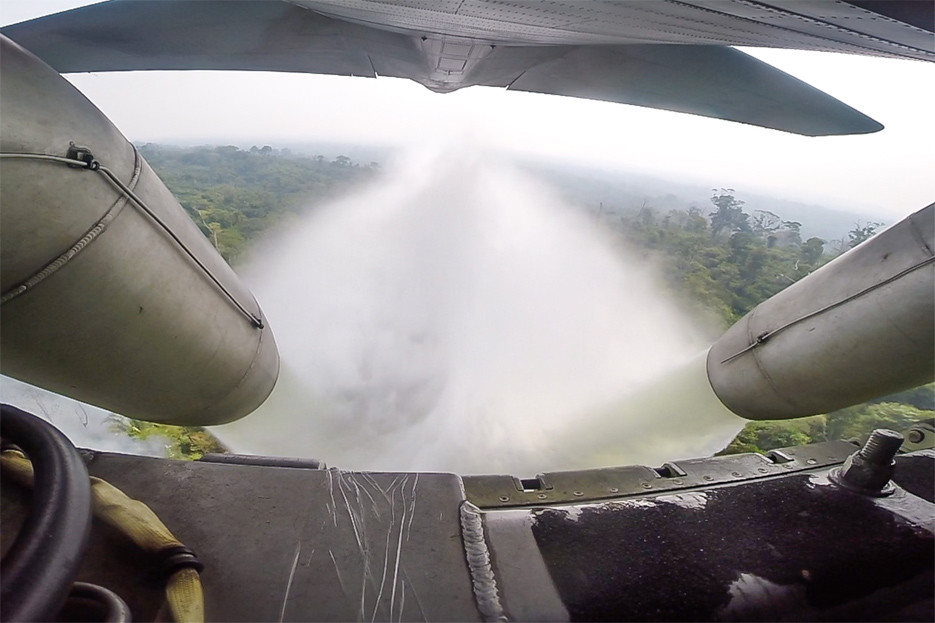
(235,195)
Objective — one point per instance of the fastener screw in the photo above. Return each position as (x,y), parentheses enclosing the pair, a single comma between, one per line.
(882,446)
(869,470)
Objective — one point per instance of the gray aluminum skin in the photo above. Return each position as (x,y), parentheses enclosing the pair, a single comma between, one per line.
(862,326)
(669,55)
(100,303)
(742,537)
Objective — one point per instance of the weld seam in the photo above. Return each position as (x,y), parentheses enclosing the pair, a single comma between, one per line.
(478,558)
(89,236)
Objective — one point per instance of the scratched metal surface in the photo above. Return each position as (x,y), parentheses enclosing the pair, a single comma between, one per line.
(286,544)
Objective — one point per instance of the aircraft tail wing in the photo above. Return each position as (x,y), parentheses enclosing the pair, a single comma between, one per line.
(231,35)
(709,80)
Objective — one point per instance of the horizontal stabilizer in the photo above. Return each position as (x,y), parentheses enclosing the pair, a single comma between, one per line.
(708,80)
(219,35)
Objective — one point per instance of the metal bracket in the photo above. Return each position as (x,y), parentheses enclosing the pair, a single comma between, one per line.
(505,491)
(78,152)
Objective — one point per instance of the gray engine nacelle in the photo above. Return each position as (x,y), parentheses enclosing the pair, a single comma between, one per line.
(862,326)
(110,294)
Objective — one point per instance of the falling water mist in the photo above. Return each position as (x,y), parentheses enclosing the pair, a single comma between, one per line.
(457,316)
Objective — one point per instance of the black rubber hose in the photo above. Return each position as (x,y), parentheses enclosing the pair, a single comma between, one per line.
(90,602)
(37,572)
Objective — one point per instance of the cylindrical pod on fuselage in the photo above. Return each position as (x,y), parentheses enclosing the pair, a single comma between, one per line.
(111,294)
(860,327)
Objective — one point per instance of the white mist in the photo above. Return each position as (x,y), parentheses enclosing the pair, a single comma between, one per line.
(457,317)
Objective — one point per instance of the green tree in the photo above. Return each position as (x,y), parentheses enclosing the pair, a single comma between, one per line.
(765,223)
(812,250)
(792,231)
(855,422)
(860,233)
(695,222)
(860,420)
(181,442)
(921,397)
(729,215)
(769,435)
(234,195)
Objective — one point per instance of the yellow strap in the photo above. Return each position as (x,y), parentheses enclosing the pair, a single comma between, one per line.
(132,517)
(17,466)
(185,597)
(139,523)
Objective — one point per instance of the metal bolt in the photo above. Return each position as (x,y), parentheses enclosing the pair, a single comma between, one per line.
(882,446)
(869,470)
(915,436)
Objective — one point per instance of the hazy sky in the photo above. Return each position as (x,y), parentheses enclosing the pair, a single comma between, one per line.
(887,174)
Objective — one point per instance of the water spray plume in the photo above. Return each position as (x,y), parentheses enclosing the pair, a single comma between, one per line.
(457,316)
